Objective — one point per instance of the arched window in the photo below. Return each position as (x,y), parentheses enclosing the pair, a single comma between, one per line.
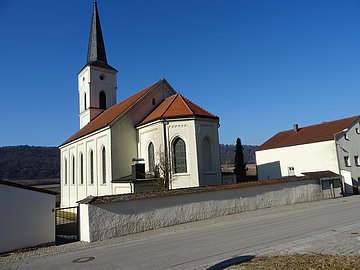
(65,171)
(179,154)
(73,170)
(85,101)
(91,167)
(103,157)
(207,155)
(151,157)
(81,168)
(102,100)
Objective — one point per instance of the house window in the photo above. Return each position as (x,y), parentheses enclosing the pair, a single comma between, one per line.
(291,171)
(207,156)
(102,77)
(73,170)
(153,101)
(65,171)
(151,157)
(325,184)
(91,167)
(102,100)
(346,136)
(347,161)
(357,161)
(81,168)
(103,157)
(357,131)
(336,183)
(179,154)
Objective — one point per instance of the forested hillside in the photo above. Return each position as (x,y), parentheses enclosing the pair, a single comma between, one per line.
(40,162)
(227,153)
(29,162)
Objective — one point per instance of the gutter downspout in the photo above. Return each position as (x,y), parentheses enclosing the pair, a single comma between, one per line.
(167,170)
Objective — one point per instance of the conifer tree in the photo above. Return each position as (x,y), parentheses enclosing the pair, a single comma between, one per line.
(239,166)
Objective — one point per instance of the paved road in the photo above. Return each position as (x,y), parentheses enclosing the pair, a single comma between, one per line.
(201,246)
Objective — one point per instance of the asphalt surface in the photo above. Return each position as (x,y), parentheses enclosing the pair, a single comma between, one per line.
(208,244)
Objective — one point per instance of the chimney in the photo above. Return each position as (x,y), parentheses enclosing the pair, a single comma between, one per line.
(296,128)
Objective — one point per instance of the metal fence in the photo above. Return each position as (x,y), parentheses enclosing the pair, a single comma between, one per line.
(67,225)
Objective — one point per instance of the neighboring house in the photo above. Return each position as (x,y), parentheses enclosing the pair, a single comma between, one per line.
(154,122)
(28,217)
(333,146)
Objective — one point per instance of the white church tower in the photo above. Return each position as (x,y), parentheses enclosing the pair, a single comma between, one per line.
(97,79)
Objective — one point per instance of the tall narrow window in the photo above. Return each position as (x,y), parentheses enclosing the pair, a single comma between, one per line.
(65,171)
(347,161)
(81,168)
(85,101)
(179,154)
(151,157)
(103,157)
(207,155)
(91,167)
(102,100)
(73,170)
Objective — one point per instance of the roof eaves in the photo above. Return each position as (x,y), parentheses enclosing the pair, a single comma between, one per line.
(16,185)
(190,116)
(84,135)
(290,145)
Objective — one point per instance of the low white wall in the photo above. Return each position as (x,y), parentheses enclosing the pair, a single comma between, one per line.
(27,218)
(107,220)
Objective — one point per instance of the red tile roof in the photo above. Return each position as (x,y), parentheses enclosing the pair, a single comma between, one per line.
(109,115)
(177,106)
(310,134)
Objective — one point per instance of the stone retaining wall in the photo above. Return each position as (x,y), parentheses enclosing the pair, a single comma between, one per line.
(103,220)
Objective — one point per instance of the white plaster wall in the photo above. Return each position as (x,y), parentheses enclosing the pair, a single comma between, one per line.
(151,133)
(192,131)
(349,146)
(124,134)
(71,193)
(84,223)
(208,128)
(184,129)
(116,219)
(274,163)
(122,188)
(27,218)
(89,82)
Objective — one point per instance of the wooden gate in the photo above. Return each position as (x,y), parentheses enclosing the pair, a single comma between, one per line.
(67,225)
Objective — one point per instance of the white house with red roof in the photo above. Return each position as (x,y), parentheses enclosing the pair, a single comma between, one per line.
(330,146)
(153,123)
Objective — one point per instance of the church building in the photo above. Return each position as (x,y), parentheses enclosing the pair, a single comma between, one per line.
(153,126)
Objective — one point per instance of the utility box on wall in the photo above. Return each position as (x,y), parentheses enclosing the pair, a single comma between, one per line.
(138,168)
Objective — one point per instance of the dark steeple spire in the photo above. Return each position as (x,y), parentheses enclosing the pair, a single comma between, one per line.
(96,51)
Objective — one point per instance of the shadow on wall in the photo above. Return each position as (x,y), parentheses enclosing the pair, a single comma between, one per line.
(270,170)
(230,262)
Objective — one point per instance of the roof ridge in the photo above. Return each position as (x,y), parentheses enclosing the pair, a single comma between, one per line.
(151,86)
(188,100)
(176,95)
(107,117)
(187,105)
(323,123)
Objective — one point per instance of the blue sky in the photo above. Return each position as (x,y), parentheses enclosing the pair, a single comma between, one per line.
(261,66)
